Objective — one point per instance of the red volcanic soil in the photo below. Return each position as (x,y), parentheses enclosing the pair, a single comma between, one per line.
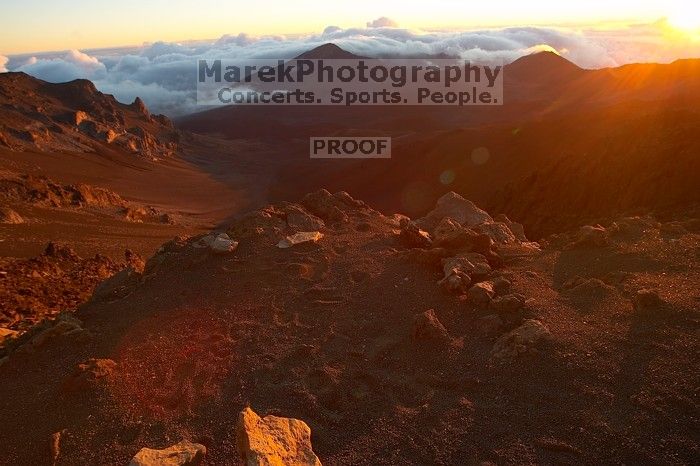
(336,333)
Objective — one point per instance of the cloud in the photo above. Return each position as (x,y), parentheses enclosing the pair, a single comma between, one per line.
(383,22)
(3,62)
(72,65)
(164,74)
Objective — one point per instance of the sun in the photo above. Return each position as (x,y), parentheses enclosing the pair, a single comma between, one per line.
(685,17)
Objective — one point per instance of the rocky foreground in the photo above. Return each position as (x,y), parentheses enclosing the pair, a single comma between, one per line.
(449,339)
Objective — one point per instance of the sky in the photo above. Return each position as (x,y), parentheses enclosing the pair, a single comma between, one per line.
(150,48)
(44,25)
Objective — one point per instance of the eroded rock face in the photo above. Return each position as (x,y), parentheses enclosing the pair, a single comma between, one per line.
(273,440)
(182,454)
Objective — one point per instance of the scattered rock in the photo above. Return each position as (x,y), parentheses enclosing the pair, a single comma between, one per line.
(522,340)
(10,217)
(273,440)
(181,454)
(481,293)
(428,328)
(300,238)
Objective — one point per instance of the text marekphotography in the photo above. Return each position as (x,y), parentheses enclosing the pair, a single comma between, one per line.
(349,82)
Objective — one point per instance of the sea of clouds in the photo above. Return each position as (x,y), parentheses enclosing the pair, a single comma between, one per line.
(164,74)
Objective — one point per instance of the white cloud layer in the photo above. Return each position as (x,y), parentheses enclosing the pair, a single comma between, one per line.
(164,74)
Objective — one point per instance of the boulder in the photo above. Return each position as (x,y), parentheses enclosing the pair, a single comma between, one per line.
(454,206)
(522,340)
(481,293)
(273,440)
(181,454)
(300,238)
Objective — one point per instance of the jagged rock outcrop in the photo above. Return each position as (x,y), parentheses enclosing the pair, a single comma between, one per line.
(273,440)
(75,116)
